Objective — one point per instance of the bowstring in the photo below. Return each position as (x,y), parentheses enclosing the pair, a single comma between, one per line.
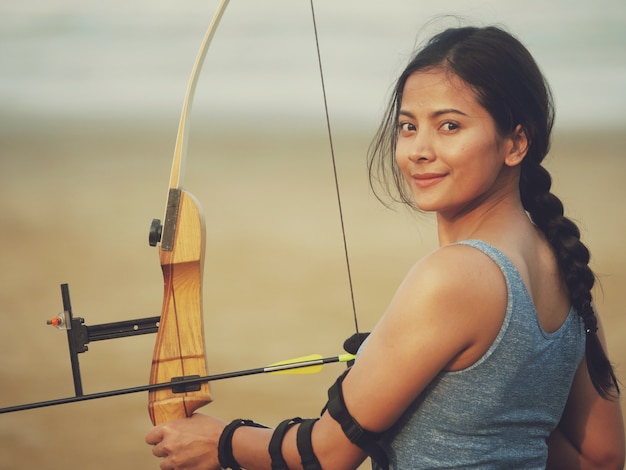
(334,164)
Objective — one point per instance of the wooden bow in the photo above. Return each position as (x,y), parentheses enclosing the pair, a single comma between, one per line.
(179,350)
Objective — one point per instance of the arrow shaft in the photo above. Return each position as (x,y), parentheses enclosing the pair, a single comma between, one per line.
(187,381)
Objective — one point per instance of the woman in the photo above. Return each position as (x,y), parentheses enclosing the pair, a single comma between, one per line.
(491,353)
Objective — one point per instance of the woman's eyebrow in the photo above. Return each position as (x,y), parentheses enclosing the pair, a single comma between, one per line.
(434,114)
(441,112)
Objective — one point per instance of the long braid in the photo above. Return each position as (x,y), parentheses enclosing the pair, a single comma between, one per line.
(546,211)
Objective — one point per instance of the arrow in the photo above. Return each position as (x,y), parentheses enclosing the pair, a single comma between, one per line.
(311,364)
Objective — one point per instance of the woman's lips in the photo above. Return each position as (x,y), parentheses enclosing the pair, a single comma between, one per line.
(425,180)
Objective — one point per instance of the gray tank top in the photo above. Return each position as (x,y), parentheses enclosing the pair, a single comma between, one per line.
(497,413)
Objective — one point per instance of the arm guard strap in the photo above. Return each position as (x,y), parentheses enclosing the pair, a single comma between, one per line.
(366,440)
(276,443)
(305,446)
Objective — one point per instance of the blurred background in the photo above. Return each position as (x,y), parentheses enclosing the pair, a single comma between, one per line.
(90,98)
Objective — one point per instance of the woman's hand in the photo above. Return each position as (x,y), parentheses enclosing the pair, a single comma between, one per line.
(189,443)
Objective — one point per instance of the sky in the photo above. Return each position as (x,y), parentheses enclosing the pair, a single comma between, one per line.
(133,58)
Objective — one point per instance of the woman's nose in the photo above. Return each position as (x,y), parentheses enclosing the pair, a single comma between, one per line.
(420,148)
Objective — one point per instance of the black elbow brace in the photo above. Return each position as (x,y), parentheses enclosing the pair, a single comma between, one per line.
(366,440)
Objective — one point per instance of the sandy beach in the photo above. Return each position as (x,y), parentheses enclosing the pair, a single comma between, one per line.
(77,198)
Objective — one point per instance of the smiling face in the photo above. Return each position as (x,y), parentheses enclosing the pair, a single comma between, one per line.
(448,148)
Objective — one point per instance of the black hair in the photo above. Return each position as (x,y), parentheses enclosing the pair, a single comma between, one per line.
(510,86)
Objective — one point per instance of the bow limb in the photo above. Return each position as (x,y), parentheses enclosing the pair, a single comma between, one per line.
(179,350)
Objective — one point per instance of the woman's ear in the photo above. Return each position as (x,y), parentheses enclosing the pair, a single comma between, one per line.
(518,146)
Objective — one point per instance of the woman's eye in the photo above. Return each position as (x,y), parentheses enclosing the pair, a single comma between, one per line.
(449,126)
(406,127)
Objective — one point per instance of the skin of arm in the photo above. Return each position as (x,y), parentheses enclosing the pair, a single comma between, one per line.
(590,434)
(445,314)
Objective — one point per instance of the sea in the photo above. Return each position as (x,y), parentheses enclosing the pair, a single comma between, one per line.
(131,59)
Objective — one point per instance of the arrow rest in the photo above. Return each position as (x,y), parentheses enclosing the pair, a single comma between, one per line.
(178,387)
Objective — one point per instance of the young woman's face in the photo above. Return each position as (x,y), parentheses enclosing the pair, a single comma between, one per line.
(448,148)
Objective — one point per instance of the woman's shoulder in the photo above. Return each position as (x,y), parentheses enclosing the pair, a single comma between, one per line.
(465,291)
(460,265)
(456,280)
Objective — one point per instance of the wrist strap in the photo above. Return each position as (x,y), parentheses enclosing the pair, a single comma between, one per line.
(276,443)
(225,444)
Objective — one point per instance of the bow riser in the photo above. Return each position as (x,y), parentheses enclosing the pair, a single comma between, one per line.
(179,350)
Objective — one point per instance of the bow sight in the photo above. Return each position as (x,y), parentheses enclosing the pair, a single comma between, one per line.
(79,334)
